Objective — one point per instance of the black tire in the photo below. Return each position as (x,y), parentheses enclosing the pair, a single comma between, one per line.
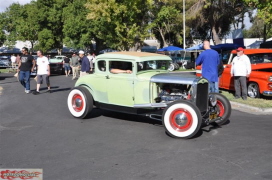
(176,66)
(171,67)
(253,90)
(224,107)
(182,119)
(80,102)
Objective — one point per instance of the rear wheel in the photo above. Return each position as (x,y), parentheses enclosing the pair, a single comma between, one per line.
(182,119)
(223,107)
(80,102)
(253,90)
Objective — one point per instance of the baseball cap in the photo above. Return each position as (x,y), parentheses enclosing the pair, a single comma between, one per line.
(240,49)
(81,52)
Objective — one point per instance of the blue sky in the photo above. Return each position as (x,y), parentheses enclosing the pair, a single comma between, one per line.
(7,3)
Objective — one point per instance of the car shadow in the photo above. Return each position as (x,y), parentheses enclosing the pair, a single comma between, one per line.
(122,116)
(55,89)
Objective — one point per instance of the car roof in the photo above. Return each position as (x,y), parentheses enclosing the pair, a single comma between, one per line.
(254,51)
(133,55)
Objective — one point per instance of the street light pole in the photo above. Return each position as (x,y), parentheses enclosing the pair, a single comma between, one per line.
(184,45)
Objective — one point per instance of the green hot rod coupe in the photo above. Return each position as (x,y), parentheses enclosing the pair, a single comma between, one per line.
(143,85)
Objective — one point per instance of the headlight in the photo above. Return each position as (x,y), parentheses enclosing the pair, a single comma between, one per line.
(270,79)
(213,100)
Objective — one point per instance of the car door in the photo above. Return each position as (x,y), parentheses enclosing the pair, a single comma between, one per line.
(226,81)
(120,88)
(101,83)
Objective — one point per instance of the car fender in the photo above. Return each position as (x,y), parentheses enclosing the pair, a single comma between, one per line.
(90,89)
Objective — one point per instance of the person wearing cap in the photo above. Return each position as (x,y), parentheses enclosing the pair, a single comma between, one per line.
(75,65)
(86,66)
(240,70)
(209,59)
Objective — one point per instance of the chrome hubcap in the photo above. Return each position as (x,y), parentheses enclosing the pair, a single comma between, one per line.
(181,119)
(78,102)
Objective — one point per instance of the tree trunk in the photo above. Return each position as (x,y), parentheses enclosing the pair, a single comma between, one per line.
(264,33)
(163,38)
(216,38)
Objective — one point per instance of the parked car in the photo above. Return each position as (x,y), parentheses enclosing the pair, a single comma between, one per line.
(181,101)
(5,62)
(34,72)
(56,65)
(260,80)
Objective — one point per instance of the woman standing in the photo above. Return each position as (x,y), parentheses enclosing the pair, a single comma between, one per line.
(66,64)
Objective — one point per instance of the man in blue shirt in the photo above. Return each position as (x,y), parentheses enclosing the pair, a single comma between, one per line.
(209,59)
(86,67)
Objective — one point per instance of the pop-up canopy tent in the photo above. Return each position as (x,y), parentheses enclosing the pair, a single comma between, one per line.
(267,44)
(226,46)
(170,48)
(196,47)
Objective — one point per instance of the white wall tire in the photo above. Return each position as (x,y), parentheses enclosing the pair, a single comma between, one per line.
(182,119)
(80,102)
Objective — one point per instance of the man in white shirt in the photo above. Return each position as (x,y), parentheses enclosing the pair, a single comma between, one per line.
(43,72)
(13,61)
(240,69)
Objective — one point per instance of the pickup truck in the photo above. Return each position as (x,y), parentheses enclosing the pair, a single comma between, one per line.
(259,82)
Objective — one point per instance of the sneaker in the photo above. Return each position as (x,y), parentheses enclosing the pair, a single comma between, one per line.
(237,97)
(27,91)
(36,92)
(49,91)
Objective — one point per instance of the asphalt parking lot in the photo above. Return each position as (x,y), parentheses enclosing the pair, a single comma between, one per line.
(39,132)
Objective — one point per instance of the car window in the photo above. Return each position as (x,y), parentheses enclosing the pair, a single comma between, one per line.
(102,65)
(259,58)
(123,65)
(153,65)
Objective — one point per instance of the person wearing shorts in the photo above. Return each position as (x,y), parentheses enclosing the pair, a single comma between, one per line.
(67,68)
(43,72)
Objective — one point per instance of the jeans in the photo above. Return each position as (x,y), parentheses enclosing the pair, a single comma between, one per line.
(24,78)
(216,87)
(213,86)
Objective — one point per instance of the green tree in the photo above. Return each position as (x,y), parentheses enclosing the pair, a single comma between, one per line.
(10,23)
(166,20)
(77,28)
(264,12)
(51,24)
(28,25)
(2,32)
(213,18)
(121,24)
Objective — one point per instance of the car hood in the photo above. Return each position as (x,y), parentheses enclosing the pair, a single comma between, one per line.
(261,66)
(177,78)
(55,60)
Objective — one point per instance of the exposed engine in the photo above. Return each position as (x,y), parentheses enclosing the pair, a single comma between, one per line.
(172,92)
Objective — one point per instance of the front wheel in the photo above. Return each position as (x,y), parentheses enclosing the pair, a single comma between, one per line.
(80,102)
(223,107)
(253,90)
(182,119)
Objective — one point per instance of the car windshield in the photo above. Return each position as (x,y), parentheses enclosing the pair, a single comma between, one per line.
(153,65)
(59,57)
(260,58)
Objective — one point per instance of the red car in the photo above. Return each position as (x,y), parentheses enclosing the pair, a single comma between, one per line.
(260,80)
